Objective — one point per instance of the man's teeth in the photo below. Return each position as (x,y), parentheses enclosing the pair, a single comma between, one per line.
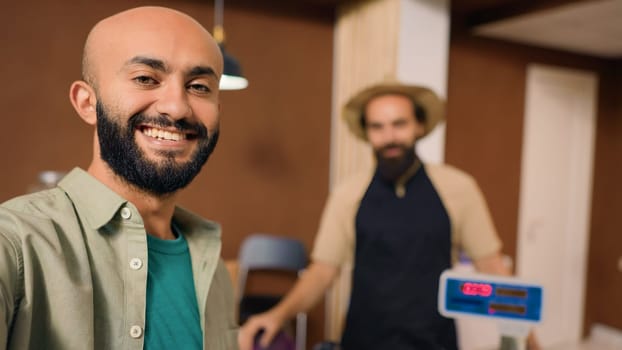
(164,135)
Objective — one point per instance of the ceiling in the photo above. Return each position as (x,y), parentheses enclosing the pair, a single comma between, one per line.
(586,27)
(589,27)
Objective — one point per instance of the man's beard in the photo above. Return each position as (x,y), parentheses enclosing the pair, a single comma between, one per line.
(119,149)
(391,168)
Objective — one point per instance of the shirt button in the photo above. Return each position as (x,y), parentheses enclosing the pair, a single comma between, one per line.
(126,213)
(136,263)
(136,331)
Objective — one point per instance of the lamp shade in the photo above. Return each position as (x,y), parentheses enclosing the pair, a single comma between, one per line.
(232,78)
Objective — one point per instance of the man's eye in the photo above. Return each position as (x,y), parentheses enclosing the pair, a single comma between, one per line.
(145,80)
(400,124)
(200,88)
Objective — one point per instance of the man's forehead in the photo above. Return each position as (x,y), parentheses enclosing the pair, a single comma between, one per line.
(174,38)
(388,100)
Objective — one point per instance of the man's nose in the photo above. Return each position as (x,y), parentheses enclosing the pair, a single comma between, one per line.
(388,135)
(173,102)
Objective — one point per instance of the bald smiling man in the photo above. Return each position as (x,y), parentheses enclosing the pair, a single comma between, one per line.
(107,260)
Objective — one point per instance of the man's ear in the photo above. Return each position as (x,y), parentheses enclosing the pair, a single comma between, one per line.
(420,129)
(83,99)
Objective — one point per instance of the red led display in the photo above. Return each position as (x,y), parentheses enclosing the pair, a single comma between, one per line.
(476,289)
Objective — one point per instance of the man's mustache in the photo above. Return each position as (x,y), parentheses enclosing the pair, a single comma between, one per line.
(391,145)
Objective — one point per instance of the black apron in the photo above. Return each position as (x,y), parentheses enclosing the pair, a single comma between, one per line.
(402,246)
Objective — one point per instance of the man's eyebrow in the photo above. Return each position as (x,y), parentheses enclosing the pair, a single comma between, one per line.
(202,70)
(148,61)
(159,65)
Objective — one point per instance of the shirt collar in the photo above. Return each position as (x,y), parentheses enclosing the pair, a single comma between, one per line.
(400,184)
(96,202)
(189,223)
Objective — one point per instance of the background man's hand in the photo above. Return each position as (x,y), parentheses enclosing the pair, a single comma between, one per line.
(265,325)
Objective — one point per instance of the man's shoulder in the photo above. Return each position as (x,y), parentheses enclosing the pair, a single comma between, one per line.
(28,212)
(353,185)
(39,205)
(448,175)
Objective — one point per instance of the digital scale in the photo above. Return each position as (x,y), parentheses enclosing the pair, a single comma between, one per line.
(515,305)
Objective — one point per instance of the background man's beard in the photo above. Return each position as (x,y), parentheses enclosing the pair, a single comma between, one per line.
(391,168)
(120,151)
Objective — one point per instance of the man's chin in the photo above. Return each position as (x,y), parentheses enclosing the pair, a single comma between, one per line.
(160,155)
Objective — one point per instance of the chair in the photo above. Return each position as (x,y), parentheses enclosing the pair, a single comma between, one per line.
(268,252)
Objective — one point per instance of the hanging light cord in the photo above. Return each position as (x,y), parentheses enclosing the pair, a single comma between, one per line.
(232,78)
(219,31)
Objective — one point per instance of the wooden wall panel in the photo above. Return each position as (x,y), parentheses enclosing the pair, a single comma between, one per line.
(604,281)
(484,129)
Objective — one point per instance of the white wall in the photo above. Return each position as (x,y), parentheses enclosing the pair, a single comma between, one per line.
(423,53)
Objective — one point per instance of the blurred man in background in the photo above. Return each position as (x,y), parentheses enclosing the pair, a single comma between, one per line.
(400,225)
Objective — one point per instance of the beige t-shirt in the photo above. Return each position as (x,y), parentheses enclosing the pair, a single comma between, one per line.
(472,229)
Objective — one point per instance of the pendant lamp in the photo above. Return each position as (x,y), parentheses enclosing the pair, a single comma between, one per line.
(232,78)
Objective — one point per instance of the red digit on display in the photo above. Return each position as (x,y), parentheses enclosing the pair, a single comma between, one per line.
(477,289)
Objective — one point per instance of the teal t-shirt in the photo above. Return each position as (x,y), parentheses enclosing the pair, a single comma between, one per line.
(173,320)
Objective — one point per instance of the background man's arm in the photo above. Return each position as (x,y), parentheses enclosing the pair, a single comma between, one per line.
(309,289)
(492,264)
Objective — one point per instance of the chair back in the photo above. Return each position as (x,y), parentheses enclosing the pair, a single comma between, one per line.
(268,252)
(262,251)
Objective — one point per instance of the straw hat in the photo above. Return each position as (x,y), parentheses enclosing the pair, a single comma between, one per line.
(432,105)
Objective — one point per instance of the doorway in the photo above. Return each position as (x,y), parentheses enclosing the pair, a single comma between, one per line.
(555,194)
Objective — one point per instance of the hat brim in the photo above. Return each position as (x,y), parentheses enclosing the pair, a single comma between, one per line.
(430,102)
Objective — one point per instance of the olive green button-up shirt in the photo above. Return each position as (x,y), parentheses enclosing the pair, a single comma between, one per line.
(73,271)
